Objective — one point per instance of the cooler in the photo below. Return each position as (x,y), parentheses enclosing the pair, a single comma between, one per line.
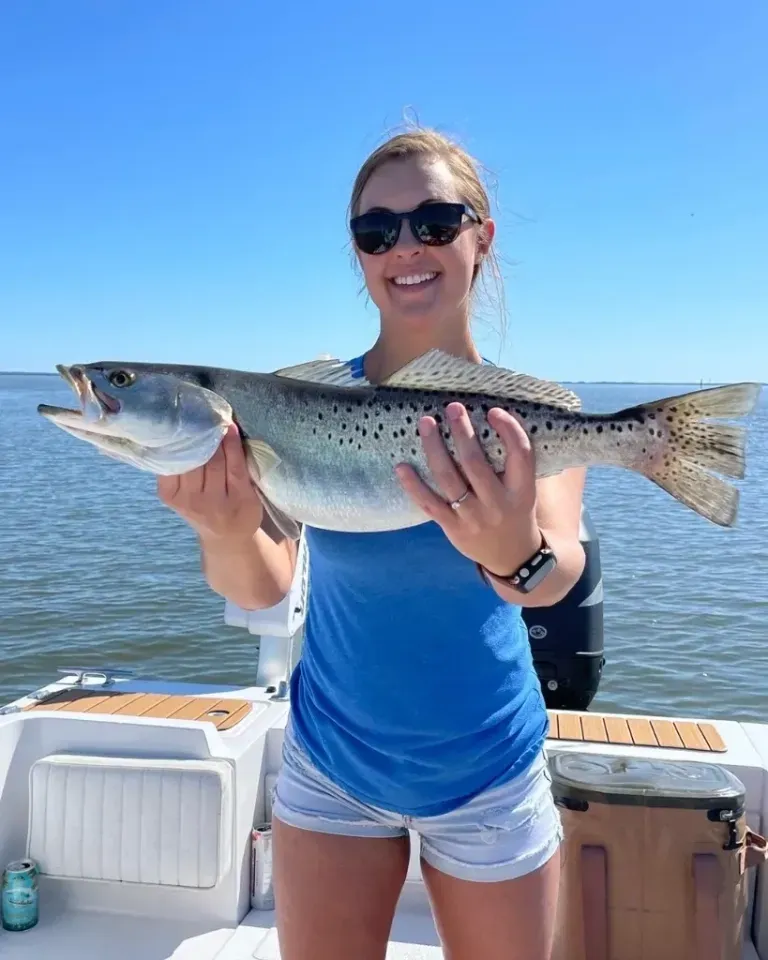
(655,855)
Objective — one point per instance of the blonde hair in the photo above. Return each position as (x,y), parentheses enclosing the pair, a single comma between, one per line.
(425,142)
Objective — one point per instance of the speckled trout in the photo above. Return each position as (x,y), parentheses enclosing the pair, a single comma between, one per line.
(322,446)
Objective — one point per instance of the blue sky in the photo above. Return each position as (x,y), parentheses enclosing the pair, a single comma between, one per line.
(174,177)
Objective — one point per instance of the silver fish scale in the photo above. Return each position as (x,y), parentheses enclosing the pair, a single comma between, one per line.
(315,430)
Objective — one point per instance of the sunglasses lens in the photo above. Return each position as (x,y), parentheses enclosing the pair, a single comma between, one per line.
(376,232)
(434,224)
(437,223)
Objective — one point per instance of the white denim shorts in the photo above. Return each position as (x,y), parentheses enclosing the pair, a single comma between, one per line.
(503,833)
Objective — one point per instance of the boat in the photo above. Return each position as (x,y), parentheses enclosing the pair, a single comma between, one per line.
(145,804)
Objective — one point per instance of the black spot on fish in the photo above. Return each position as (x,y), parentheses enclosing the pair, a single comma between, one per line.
(670,419)
(330,436)
(630,426)
(409,419)
(486,433)
(335,408)
(613,426)
(395,434)
(470,408)
(357,428)
(402,431)
(499,451)
(381,428)
(599,428)
(400,405)
(413,451)
(485,407)
(365,416)
(314,430)
(438,418)
(375,435)
(343,426)
(618,428)
(341,441)
(566,426)
(320,416)
(586,431)
(387,407)
(534,428)
(549,424)
(348,409)
(364,431)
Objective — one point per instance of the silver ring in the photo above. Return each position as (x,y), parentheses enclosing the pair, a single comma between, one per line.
(455,504)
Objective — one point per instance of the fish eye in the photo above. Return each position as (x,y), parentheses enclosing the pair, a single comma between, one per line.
(121,378)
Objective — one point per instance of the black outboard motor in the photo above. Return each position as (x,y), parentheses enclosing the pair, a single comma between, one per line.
(567,638)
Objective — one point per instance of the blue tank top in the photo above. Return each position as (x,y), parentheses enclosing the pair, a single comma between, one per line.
(416,688)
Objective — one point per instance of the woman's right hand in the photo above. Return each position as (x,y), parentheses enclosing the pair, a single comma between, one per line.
(218,500)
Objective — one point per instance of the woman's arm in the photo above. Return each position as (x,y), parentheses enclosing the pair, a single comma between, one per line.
(558,515)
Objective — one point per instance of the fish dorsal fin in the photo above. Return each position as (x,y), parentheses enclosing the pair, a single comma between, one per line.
(436,370)
(330,370)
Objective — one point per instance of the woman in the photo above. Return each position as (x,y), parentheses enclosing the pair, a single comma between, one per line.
(416,703)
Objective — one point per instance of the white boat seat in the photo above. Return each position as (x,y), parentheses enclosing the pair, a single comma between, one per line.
(131,820)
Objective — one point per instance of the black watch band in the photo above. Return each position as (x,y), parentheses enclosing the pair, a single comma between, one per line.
(530,573)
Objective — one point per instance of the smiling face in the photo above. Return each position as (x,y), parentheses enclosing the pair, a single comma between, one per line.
(418,287)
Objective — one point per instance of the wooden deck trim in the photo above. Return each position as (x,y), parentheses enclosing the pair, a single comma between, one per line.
(224,713)
(635,731)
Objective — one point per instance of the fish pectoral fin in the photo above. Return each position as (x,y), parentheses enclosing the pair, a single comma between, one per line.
(436,370)
(262,457)
(332,371)
(285,524)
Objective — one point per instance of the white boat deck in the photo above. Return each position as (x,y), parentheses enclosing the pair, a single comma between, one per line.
(125,869)
(75,935)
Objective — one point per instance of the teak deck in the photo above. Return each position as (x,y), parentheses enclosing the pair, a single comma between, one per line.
(223,713)
(227,713)
(636,731)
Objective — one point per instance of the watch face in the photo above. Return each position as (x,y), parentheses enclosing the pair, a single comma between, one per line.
(546,565)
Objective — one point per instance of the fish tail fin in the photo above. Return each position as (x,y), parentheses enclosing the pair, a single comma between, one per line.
(708,495)
(695,447)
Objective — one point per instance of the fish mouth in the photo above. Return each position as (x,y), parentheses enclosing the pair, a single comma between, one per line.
(94,403)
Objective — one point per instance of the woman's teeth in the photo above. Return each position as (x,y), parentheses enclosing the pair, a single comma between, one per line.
(414,279)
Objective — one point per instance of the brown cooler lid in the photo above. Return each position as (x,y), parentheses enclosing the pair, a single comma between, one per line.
(642,781)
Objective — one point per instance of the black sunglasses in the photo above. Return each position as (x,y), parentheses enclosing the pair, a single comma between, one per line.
(435,224)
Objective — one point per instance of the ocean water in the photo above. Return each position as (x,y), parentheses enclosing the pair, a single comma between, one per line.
(95,571)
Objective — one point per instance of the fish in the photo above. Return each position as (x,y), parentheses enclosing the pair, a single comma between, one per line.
(321,445)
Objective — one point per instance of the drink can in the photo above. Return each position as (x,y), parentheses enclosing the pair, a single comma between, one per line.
(19,904)
(262,892)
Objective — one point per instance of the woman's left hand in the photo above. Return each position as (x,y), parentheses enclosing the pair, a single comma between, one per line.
(494,519)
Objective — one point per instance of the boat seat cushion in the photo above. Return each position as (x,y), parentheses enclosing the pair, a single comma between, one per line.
(132,820)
